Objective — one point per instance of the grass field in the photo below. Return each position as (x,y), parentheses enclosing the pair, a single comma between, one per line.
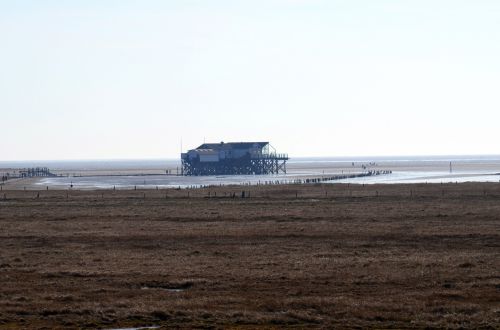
(345,256)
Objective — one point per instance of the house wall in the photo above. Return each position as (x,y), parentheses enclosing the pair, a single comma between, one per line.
(209,158)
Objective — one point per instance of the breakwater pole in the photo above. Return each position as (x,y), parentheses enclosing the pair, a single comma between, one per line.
(321,179)
(340,177)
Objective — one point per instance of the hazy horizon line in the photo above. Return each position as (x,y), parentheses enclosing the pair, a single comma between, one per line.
(346,157)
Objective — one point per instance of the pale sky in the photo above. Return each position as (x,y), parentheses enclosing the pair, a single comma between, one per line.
(128,79)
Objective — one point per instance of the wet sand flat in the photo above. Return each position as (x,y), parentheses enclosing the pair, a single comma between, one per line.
(376,256)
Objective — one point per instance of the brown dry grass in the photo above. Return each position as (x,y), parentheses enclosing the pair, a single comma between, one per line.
(341,256)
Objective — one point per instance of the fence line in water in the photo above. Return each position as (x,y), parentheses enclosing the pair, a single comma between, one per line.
(296,181)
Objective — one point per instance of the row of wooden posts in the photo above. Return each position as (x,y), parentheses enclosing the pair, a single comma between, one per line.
(270,182)
(243,194)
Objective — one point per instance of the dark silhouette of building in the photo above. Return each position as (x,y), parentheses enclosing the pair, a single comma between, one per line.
(35,172)
(233,158)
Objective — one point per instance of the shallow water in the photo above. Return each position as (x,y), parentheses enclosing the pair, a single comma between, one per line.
(160,181)
(432,169)
(425,177)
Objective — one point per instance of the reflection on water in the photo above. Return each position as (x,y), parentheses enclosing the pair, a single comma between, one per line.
(425,177)
(160,181)
(404,170)
(163,181)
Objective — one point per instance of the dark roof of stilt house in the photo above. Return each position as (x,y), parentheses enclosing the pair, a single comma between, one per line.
(232,145)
